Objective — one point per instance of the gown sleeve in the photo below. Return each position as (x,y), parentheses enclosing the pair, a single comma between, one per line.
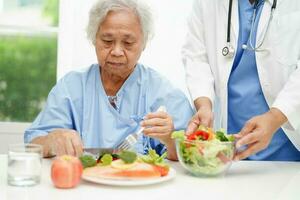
(58,113)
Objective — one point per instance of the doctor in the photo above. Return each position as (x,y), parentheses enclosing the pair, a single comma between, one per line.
(242,60)
(99,106)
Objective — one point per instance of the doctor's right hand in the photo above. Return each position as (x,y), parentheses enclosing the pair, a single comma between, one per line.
(204,115)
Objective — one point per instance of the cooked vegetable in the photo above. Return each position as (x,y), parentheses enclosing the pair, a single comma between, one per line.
(106,159)
(114,156)
(87,161)
(127,156)
(127,160)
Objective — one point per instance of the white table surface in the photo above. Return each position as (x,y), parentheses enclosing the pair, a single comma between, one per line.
(244,180)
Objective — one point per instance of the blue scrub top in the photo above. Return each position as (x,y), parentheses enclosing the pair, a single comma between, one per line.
(79,102)
(245,96)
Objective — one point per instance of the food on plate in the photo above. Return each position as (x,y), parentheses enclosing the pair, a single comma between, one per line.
(87,161)
(66,171)
(205,152)
(136,171)
(126,165)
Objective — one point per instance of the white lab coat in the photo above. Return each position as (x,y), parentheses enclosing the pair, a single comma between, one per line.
(207,70)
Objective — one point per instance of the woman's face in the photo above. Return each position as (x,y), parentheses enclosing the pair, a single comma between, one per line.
(119,43)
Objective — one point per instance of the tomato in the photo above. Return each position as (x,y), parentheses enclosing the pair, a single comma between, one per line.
(66,171)
(163,170)
(192,137)
(199,134)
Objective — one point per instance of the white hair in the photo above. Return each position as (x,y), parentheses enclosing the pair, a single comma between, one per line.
(102,7)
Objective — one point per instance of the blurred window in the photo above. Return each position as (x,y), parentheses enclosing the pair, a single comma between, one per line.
(28,56)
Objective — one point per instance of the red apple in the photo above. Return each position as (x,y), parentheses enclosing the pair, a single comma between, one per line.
(66,171)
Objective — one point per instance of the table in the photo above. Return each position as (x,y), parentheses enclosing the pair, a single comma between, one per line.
(244,180)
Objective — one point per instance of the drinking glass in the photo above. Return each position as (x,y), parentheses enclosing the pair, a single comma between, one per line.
(24,164)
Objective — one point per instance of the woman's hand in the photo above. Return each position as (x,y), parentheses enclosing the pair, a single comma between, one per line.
(159,125)
(60,142)
(204,115)
(65,141)
(258,132)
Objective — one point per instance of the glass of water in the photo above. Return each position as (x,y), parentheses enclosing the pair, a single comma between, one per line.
(24,164)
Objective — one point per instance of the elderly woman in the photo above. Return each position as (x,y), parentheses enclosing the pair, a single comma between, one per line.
(101,105)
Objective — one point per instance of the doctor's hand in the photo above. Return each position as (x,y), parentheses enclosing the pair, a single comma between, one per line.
(204,115)
(60,142)
(258,132)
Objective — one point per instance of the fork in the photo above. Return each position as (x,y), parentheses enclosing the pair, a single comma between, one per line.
(131,139)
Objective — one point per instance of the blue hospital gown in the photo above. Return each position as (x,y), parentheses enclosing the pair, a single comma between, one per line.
(79,102)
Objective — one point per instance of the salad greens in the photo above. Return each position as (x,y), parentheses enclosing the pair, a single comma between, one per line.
(220,135)
(204,152)
(154,158)
(179,135)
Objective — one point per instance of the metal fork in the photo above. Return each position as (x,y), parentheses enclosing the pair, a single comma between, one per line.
(131,139)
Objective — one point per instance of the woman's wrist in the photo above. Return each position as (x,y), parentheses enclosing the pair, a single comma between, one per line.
(171,149)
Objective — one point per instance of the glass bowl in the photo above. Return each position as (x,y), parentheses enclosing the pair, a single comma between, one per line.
(205,158)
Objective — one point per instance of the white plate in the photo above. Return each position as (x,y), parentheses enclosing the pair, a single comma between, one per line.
(130,182)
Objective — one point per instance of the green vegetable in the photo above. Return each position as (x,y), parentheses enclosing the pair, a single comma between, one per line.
(87,161)
(220,135)
(231,138)
(106,159)
(205,159)
(114,156)
(154,158)
(127,156)
(179,135)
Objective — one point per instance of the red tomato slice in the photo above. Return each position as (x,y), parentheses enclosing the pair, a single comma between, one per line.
(162,170)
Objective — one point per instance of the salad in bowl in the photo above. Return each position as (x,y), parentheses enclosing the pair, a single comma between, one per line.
(205,152)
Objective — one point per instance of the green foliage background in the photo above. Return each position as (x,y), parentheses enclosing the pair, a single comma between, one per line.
(27,73)
(27,69)
(50,10)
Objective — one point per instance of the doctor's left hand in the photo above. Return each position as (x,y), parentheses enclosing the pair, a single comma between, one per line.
(258,132)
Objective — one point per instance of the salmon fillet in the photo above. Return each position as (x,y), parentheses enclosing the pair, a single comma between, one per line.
(138,171)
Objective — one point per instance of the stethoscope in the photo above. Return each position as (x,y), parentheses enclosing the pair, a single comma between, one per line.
(228,50)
